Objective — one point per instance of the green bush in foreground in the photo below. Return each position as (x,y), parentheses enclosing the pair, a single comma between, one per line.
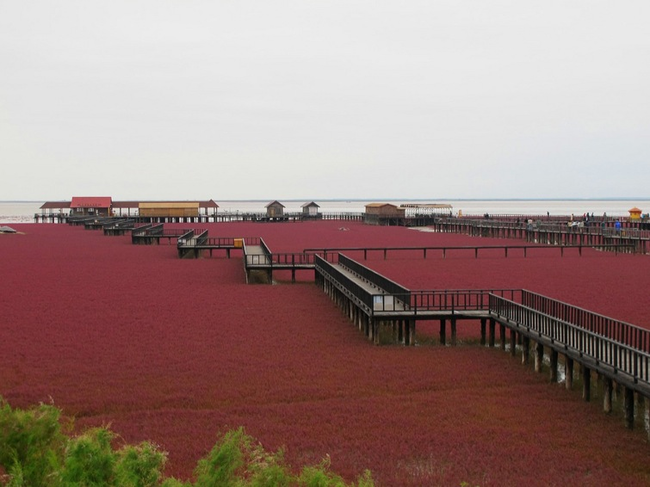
(34,451)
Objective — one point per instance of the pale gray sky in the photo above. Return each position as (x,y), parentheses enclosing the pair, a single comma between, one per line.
(239,99)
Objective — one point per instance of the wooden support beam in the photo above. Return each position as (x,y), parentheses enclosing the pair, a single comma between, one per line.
(483,326)
(553,372)
(539,357)
(568,372)
(411,325)
(525,350)
(513,342)
(502,335)
(608,387)
(492,333)
(443,332)
(453,331)
(586,383)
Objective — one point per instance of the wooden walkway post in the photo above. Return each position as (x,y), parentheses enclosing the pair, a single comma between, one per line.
(483,323)
(608,387)
(443,332)
(453,331)
(586,383)
(492,332)
(539,356)
(407,334)
(525,350)
(513,342)
(568,372)
(553,373)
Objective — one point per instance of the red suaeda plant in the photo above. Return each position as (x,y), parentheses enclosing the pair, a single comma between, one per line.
(175,351)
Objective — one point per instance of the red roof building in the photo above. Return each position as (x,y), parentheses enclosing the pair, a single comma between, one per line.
(91,205)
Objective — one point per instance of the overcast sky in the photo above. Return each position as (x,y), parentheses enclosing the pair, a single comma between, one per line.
(315,100)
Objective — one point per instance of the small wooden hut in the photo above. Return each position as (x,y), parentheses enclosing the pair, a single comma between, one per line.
(310,210)
(383,214)
(274,209)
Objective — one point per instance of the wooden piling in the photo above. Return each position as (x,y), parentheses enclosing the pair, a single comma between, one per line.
(586,383)
(608,387)
(568,375)
(492,333)
(539,357)
(554,360)
(525,350)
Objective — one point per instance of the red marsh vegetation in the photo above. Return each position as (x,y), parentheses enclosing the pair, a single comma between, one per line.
(175,351)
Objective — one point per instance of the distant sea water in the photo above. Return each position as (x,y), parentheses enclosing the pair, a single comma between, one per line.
(23,211)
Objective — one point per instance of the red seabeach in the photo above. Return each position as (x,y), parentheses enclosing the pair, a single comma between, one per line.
(176,351)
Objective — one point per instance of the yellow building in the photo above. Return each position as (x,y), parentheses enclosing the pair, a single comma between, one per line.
(169,209)
(635,213)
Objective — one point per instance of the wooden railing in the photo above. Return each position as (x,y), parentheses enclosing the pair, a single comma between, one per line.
(373,277)
(344,283)
(605,351)
(608,327)
(450,300)
(425,250)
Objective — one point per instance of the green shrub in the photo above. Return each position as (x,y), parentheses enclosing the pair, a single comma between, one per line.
(35,452)
(89,459)
(139,466)
(238,460)
(31,444)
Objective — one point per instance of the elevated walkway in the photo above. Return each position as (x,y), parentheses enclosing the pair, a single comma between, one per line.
(617,351)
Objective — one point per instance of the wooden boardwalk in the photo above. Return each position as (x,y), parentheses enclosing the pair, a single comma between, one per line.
(616,351)
(507,249)
(600,234)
